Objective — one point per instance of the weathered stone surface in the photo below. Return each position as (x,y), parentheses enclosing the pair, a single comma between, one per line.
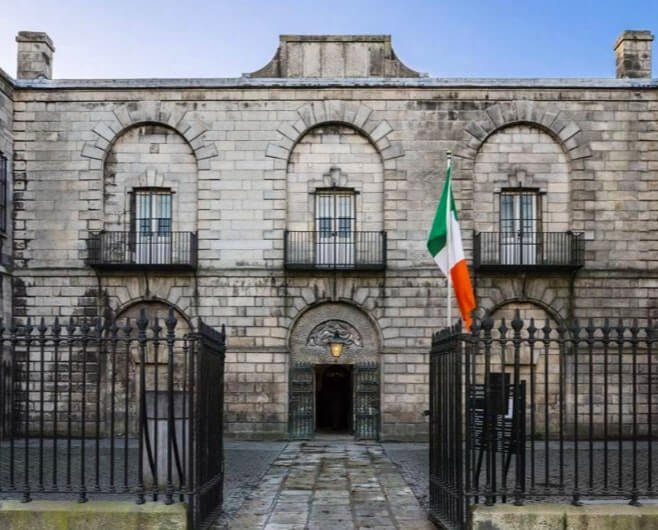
(46,515)
(244,157)
(6,152)
(35,55)
(564,517)
(633,54)
(335,56)
(331,484)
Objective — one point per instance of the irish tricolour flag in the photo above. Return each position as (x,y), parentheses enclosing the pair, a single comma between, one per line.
(445,246)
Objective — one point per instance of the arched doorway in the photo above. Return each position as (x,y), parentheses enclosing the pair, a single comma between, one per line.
(329,394)
(333,398)
(120,373)
(543,371)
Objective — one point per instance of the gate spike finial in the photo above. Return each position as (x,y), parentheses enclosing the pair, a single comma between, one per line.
(517,323)
(57,328)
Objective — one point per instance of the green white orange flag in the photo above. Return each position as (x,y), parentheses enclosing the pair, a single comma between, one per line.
(445,245)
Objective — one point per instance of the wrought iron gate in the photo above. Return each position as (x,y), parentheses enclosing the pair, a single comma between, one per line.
(300,413)
(366,401)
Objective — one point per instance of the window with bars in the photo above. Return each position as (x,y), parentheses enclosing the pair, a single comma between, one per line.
(335,225)
(151,211)
(151,226)
(4,193)
(520,211)
(520,225)
(335,212)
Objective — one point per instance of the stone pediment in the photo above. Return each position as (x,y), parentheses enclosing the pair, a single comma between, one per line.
(335,56)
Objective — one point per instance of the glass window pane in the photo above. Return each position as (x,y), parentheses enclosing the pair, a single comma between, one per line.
(153,212)
(518,211)
(324,225)
(164,226)
(164,210)
(506,213)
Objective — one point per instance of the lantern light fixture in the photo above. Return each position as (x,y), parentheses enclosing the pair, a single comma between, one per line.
(336,345)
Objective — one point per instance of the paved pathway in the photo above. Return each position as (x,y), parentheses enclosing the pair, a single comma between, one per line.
(245,464)
(331,484)
(413,461)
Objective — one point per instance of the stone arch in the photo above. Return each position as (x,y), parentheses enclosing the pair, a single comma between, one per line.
(363,336)
(155,307)
(499,305)
(542,368)
(119,396)
(522,156)
(333,155)
(500,115)
(141,157)
(355,115)
(522,302)
(131,114)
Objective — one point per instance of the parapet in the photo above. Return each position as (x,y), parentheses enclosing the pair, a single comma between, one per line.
(329,56)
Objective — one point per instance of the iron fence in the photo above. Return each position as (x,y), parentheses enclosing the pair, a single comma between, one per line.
(129,409)
(142,250)
(527,411)
(335,250)
(528,250)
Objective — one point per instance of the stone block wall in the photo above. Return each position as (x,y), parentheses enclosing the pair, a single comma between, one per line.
(356,165)
(149,157)
(245,148)
(6,149)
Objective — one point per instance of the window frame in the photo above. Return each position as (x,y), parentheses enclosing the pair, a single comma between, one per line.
(336,222)
(154,224)
(524,242)
(518,221)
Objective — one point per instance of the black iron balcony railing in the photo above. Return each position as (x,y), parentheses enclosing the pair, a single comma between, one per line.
(142,250)
(539,251)
(316,250)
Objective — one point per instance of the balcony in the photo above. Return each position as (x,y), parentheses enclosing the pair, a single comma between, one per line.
(345,251)
(534,251)
(170,251)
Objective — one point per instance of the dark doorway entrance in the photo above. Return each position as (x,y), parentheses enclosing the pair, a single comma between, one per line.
(333,383)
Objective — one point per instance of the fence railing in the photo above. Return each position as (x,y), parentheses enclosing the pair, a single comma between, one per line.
(317,250)
(129,408)
(528,250)
(528,411)
(142,250)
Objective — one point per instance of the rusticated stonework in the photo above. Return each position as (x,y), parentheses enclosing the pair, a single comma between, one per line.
(243,161)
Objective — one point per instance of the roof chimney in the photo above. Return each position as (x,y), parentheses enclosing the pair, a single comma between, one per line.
(633,54)
(35,55)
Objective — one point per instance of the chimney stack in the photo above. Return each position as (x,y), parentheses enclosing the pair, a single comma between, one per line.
(633,55)
(35,55)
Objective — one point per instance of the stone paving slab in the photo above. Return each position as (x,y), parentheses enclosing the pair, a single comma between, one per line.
(413,461)
(246,463)
(329,485)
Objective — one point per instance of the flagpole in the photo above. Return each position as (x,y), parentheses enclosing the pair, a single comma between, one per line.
(448,243)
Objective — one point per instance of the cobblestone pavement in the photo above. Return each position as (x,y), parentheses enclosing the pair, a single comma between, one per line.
(331,484)
(413,461)
(245,463)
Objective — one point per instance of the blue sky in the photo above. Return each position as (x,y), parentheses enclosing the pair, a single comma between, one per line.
(224,38)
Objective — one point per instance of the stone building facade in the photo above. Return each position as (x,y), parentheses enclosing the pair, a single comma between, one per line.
(292,204)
